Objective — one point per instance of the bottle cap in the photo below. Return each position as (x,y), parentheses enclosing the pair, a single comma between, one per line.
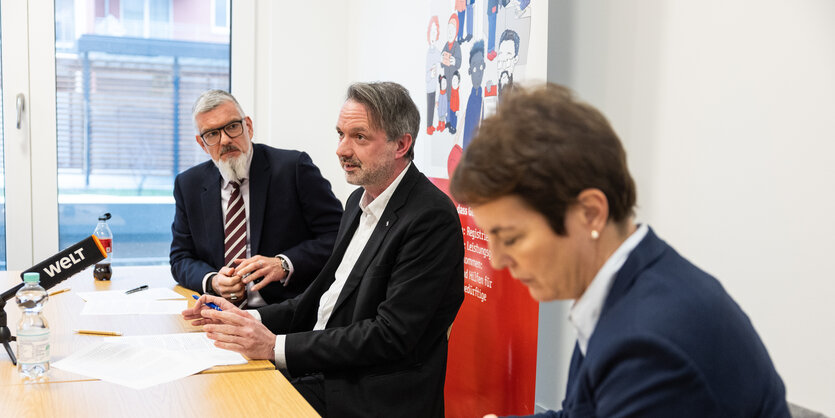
(104,216)
(31,277)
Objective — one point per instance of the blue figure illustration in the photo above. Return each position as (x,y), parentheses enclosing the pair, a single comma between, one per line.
(472,117)
(492,10)
(465,11)
(461,9)
(443,103)
(470,17)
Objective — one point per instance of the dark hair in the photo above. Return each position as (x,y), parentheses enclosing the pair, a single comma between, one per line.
(510,35)
(545,147)
(389,108)
(477,47)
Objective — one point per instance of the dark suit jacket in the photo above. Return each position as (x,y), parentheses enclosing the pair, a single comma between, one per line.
(292,211)
(670,342)
(383,352)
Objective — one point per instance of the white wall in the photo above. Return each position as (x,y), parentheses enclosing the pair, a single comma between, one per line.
(745,170)
(723,106)
(307,55)
(302,68)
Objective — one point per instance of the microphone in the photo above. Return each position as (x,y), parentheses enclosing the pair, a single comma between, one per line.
(63,265)
(53,270)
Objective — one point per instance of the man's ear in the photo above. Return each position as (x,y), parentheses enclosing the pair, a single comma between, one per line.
(248,123)
(404,143)
(200,142)
(595,209)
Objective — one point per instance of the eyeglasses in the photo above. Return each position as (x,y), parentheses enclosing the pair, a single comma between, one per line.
(233,129)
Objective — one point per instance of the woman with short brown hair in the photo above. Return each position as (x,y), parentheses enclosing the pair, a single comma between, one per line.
(548,182)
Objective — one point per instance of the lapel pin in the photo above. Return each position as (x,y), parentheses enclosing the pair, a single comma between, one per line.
(387,223)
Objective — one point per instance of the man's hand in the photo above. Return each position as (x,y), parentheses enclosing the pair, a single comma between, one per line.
(241,333)
(267,268)
(195,312)
(227,283)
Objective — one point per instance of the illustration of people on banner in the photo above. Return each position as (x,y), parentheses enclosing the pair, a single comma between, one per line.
(481,51)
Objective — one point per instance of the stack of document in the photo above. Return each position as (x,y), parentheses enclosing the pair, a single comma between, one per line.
(144,361)
(154,301)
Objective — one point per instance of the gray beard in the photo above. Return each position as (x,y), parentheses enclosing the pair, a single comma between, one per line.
(234,169)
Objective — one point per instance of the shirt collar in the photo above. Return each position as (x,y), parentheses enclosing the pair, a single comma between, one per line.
(586,311)
(376,207)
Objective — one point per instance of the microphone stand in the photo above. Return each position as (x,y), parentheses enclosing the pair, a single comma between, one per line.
(5,333)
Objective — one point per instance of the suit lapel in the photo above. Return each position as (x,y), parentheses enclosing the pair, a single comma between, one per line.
(573,370)
(349,221)
(643,256)
(386,222)
(213,213)
(347,227)
(259,183)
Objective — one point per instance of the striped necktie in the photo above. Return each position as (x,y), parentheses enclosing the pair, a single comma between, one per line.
(235,227)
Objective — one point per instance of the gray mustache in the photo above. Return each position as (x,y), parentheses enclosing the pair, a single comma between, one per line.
(345,160)
(228,148)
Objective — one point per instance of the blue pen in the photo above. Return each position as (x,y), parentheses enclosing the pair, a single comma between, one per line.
(209,304)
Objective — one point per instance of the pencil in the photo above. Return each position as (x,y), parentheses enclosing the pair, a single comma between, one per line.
(59,291)
(92,332)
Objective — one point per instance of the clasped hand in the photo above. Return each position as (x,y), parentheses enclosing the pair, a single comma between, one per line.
(268,269)
(230,282)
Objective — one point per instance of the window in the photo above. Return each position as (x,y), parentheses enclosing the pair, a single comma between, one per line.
(124,126)
(220,16)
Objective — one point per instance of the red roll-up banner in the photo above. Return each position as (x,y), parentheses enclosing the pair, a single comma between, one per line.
(492,348)
(475,50)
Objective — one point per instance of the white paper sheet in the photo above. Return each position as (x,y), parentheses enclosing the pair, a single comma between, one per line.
(132,366)
(193,343)
(127,306)
(154,293)
(144,361)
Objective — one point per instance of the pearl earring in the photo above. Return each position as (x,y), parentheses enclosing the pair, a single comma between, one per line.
(595,234)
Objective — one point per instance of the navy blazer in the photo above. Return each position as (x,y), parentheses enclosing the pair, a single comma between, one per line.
(670,342)
(292,211)
(383,352)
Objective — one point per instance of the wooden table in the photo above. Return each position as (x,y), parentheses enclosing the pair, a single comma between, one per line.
(254,387)
(237,394)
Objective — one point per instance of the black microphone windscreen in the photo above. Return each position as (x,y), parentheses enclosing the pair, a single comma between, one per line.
(68,262)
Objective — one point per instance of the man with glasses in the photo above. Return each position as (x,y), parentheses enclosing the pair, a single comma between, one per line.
(255,224)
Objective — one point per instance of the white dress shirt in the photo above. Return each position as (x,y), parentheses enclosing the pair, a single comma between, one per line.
(372,210)
(586,311)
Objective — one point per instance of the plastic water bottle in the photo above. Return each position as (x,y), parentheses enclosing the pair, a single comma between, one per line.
(32,330)
(102,270)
